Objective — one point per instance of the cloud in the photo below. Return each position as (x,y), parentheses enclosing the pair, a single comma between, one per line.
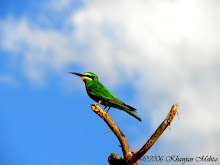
(41,50)
(172,48)
(168,50)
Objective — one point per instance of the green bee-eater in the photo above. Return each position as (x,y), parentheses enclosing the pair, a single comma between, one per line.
(102,95)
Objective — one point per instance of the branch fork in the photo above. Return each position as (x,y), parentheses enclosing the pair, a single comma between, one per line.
(131,158)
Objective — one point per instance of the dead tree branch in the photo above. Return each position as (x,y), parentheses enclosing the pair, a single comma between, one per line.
(156,134)
(131,158)
(121,137)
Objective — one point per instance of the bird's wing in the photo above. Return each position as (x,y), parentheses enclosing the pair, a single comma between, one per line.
(103,93)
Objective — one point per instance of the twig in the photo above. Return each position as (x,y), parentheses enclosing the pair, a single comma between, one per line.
(107,131)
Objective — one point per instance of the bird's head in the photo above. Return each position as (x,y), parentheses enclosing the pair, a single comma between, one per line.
(87,76)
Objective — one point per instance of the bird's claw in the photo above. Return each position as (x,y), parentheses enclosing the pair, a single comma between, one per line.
(95,104)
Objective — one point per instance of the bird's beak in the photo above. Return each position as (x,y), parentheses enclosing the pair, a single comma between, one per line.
(78,74)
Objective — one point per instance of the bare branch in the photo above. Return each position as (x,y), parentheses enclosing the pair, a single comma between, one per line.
(121,137)
(156,134)
(132,157)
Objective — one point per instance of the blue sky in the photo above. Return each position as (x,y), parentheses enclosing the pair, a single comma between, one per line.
(149,54)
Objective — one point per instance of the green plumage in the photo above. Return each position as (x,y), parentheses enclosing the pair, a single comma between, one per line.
(99,92)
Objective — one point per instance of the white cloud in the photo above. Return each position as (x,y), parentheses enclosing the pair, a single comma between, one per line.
(41,50)
(169,50)
(172,46)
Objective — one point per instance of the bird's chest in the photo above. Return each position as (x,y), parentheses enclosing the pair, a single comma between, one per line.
(92,95)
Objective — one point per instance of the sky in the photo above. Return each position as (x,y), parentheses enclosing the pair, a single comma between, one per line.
(150,54)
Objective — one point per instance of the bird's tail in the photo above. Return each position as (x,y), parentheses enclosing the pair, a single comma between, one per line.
(132,114)
(130,110)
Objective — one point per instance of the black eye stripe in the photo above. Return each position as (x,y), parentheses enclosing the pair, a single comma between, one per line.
(89,76)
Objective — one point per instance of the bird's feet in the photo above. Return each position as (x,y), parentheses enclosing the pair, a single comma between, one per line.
(97,103)
(107,110)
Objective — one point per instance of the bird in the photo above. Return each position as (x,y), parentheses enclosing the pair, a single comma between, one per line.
(102,95)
